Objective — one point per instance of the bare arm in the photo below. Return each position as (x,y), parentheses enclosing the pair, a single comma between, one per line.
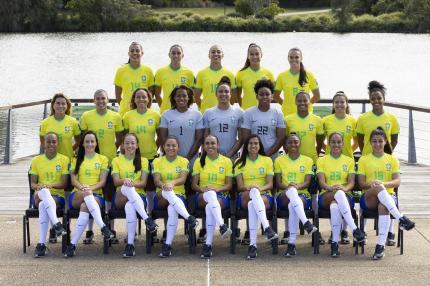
(118,139)
(197,97)
(280,137)
(118,182)
(163,132)
(235,148)
(118,92)
(360,139)
(315,95)
(176,182)
(394,138)
(36,186)
(157,93)
(320,142)
(277,97)
(239,95)
(266,187)
(198,138)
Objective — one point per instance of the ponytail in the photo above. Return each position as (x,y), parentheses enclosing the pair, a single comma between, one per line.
(302,75)
(380,132)
(247,62)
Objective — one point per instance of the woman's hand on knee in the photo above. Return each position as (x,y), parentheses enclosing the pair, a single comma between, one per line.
(128,183)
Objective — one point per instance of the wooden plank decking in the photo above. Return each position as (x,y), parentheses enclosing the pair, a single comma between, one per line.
(414,193)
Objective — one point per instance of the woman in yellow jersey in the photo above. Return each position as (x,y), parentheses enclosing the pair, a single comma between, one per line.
(293,174)
(60,122)
(212,180)
(170,173)
(246,78)
(130,174)
(341,121)
(48,179)
(293,80)
(378,175)
(207,79)
(336,177)
(88,172)
(171,76)
(130,76)
(307,126)
(375,118)
(254,177)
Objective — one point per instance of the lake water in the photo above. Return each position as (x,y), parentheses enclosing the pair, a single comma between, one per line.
(35,66)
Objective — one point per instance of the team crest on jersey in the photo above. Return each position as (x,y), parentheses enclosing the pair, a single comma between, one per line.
(150,121)
(67,129)
(232,119)
(58,168)
(344,167)
(183,79)
(144,78)
(97,166)
(388,166)
(178,169)
(387,125)
(273,121)
(348,128)
(311,127)
(110,124)
(221,170)
(190,122)
(261,170)
(302,169)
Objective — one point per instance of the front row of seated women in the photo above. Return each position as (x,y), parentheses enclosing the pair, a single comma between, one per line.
(378,175)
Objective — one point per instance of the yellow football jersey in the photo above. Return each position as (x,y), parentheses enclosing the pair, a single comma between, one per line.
(170,171)
(214,172)
(378,168)
(346,126)
(66,129)
(125,169)
(49,171)
(335,170)
(144,126)
(294,171)
(307,129)
(168,78)
(129,80)
(288,83)
(105,126)
(90,170)
(207,81)
(246,80)
(255,172)
(369,121)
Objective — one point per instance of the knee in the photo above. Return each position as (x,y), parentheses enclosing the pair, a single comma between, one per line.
(340,193)
(382,210)
(254,192)
(84,207)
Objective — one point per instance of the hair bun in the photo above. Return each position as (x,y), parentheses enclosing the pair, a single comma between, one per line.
(225,80)
(375,85)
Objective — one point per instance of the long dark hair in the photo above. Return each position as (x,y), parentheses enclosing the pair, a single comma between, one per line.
(242,158)
(133,97)
(204,153)
(137,161)
(247,62)
(303,78)
(376,86)
(81,150)
(189,93)
(380,132)
(339,94)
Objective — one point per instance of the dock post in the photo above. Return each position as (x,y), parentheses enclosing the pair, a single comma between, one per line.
(363,107)
(8,145)
(412,153)
(45,114)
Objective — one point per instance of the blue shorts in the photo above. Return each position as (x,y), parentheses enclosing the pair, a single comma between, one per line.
(348,197)
(306,198)
(156,207)
(225,199)
(100,198)
(61,201)
(363,202)
(269,198)
(114,199)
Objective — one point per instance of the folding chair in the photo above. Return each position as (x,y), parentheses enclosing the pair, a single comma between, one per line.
(33,212)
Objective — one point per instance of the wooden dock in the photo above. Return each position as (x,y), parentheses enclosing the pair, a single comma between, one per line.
(414,192)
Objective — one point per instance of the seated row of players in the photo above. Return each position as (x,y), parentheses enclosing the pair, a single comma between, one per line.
(212,180)
(135,74)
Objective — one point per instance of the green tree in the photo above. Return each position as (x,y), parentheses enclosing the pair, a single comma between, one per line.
(243,7)
(388,6)
(342,13)
(418,11)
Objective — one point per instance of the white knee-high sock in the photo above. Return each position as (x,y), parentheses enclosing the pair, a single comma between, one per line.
(210,225)
(131,221)
(383,227)
(134,198)
(345,208)
(215,208)
(293,222)
(387,200)
(81,223)
(176,203)
(335,221)
(297,204)
(49,204)
(94,209)
(172,224)
(43,222)
(260,208)
(253,223)
(391,226)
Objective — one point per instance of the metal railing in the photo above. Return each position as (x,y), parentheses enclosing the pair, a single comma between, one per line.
(412,155)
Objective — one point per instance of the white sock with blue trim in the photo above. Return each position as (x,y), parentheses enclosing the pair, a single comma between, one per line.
(134,198)
(387,200)
(172,224)
(297,204)
(260,208)
(131,221)
(253,223)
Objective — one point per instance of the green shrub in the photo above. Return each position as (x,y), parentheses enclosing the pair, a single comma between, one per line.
(270,11)
(243,7)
